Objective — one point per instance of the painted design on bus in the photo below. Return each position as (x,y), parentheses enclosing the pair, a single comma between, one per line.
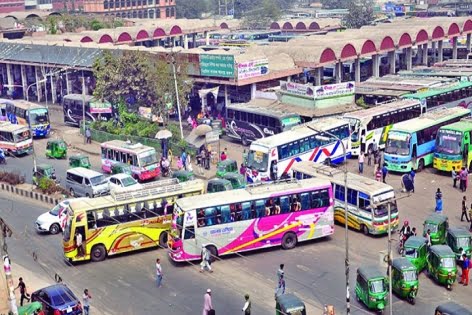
(357,218)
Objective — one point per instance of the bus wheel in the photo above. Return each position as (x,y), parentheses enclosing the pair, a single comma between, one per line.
(420,165)
(213,253)
(244,141)
(98,253)
(364,229)
(163,238)
(289,240)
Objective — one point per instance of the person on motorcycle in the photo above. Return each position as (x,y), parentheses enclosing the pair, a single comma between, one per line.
(405,231)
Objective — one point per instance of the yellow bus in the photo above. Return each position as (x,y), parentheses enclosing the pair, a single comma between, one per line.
(124,221)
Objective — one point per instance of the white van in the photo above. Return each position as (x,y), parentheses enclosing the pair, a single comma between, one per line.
(82,182)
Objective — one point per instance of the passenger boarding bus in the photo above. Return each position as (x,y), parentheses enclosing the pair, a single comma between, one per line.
(259,216)
(454,146)
(367,199)
(411,144)
(248,123)
(141,158)
(450,95)
(15,139)
(35,116)
(301,143)
(372,124)
(124,221)
(73,105)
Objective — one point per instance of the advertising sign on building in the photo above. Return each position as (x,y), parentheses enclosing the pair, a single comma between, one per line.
(298,89)
(334,90)
(252,69)
(97,107)
(217,65)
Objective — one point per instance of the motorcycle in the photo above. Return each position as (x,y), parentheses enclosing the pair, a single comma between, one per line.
(401,243)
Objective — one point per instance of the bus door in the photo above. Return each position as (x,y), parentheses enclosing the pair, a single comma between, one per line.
(363,140)
(466,148)
(414,150)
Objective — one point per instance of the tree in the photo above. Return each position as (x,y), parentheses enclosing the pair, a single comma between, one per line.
(361,12)
(334,4)
(262,15)
(191,9)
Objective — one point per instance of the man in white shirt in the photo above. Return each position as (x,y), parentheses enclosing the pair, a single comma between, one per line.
(79,243)
(158,273)
(247,305)
(86,299)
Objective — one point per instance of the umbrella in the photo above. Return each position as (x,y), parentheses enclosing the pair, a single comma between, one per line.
(163,134)
(202,130)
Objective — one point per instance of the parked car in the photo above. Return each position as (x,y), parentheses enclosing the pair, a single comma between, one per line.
(120,182)
(57,299)
(53,221)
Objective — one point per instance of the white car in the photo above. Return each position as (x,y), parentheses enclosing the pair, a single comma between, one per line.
(121,182)
(54,220)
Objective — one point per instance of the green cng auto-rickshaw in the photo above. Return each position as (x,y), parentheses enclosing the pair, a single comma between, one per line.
(289,304)
(218,184)
(442,265)
(30,308)
(459,238)
(451,308)
(415,250)
(56,149)
(404,279)
(44,170)
(183,175)
(226,166)
(237,180)
(121,168)
(371,288)
(438,225)
(79,160)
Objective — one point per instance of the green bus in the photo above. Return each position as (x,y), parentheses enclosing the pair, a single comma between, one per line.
(453,146)
(411,144)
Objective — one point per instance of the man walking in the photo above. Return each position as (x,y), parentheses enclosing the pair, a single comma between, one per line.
(375,148)
(158,273)
(88,135)
(79,244)
(183,157)
(23,292)
(464,209)
(439,204)
(206,260)
(454,177)
(465,270)
(207,305)
(280,272)
(361,163)
(86,304)
(247,305)
(384,172)
(280,287)
(463,179)
(369,157)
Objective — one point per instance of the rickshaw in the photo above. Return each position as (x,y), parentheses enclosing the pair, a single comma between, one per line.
(459,238)
(225,167)
(121,168)
(451,308)
(438,225)
(371,288)
(289,304)
(183,175)
(31,309)
(218,184)
(79,160)
(442,266)
(44,170)
(405,279)
(415,250)
(238,181)
(56,149)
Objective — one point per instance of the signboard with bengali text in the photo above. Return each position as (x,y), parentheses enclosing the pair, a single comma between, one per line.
(97,107)
(334,90)
(305,90)
(252,69)
(217,65)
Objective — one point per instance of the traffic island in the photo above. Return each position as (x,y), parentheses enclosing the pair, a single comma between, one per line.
(29,191)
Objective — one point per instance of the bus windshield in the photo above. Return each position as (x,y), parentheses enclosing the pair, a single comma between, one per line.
(289,122)
(98,180)
(377,286)
(147,158)
(448,142)
(67,228)
(22,136)
(258,160)
(354,123)
(398,146)
(410,275)
(39,116)
(382,210)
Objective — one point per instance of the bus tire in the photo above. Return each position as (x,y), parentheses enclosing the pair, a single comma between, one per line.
(163,238)
(420,165)
(364,229)
(98,253)
(213,252)
(289,240)
(244,141)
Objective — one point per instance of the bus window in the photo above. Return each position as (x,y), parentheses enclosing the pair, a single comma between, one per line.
(283,152)
(260,208)
(250,118)
(189,232)
(364,201)
(257,119)
(246,210)
(230,114)
(339,192)
(265,121)
(237,115)
(305,201)
(294,148)
(91,221)
(352,197)
(284,205)
(225,214)
(210,216)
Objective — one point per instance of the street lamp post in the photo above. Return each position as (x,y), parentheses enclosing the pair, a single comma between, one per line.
(83,105)
(346,226)
(177,94)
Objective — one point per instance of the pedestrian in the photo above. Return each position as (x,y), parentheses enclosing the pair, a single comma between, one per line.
(86,304)
(470,219)
(242,170)
(207,305)
(428,238)
(280,289)
(23,291)
(79,244)
(223,155)
(274,169)
(412,177)
(384,172)
(439,204)
(375,148)
(88,135)
(369,157)
(159,273)
(208,158)
(454,177)
(247,305)
(280,272)
(463,176)
(183,157)
(206,260)
(378,175)
(361,163)
(464,209)
(465,270)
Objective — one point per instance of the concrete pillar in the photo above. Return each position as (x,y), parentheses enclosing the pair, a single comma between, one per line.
(375,65)
(181,41)
(433,51)
(338,73)
(319,76)
(468,43)
(391,61)
(10,80)
(440,51)
(185,38)
(253,91)
(68,90)
(24,81)
(454,48)
(226,96)
(38,86)
(207,38)
(357,70)
(409,58)
(174,41)
(53,89)
(194,40)
(425,54)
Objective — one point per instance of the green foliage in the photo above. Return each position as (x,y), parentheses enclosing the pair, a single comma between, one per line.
(191,9)
(52,25)
(49,187)
(361,102)
(96,25)
(334,4)
(11,178)
(361,12)
(260,16)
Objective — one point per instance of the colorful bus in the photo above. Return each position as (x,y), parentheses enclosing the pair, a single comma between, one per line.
(125,221)
(73,105)
(260,216)
(248,123)
(367,199)
(15,139)
(141,158)
(372,124)
(301,143)
(35,116)
(411,144)
(453,146)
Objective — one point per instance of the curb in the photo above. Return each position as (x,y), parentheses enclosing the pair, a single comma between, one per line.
(85,151)
(29,194)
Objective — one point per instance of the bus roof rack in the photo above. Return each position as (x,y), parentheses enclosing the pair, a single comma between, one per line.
(467,119)
(268,185)
(153,188)
(326,169)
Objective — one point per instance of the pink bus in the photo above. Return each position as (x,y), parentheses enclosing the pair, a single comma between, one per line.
(142,159)
(260,216)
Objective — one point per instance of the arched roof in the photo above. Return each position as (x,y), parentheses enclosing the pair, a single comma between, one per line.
(86,39)
(105,38)
(421,37)
(454,30)
(438,33)
(300,26)
(368,48)
(175,30)
(287,26)
(158,32)
(327,56)
(387,44)
(348,52)
(124,38)
(142,35)
(224,26)
(404,41)
(274,26)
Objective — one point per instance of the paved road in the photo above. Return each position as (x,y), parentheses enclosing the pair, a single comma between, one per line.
(314,270)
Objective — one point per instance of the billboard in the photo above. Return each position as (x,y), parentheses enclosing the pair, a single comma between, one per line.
(334,90)
(298,89)
(97,107)
(217,65)
(252,69)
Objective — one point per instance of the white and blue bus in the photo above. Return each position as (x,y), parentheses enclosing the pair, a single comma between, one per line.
(21,112)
